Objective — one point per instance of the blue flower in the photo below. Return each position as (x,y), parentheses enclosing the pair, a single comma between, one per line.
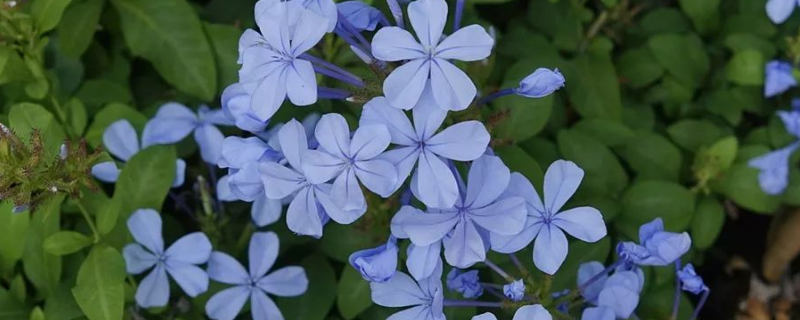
(546,222)
(657,247)
(598,313)
(376,264)
(621,292)
(425,297)
(264,211)
(253,285)
(778,78)
(587,271)
(515,290)
(121,141)
(466,283)
(361,15)
(179,260)
(479,211)
(774,166)
(236,105)
(540,83)
(350,161)
(780,10)
(174,121)
(272,71)
(429,58)
(433,183)
(269,9)
(531,312)
(690,281)
(311,203)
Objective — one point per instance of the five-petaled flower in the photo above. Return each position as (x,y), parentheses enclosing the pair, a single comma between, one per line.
(656,247)
(426,297)
(174,121)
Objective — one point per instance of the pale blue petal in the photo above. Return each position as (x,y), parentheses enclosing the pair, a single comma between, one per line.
(106,171)
(464,246)
(369,141)
(428,116)
(587,271)
(172,123)
(262,252)
(324,8)
(452,88)
(669,246)
(250,38)
(180,173)
(396,44)
(780,10)
(778,75)
(333,135)
(598,313)
(520,186)
(193,248)
(153,290)
(301,83)
(791,121)
(224,192)
(120,140)
(216,116)
(294,143)
(236,105)
(145,227)
(321,167)
(405,84)
(346,193)
(465,141)
(279,182)
(265,211)
(540,83)
(209,138)
(425,229)
(303,215)
(226,304)
(396,225)
(377,264)
(422,260)
(471,43)
(550,249)
(774,169)
(263,308)
(285,282)
(378,112)
(647,230)
(190,278)
(436,185)
(428,18)
(137,259)
(504,217)
(400,291)
(269,93)
(620,299)
(584,223)
(532,312)
(378,176)
(404,160)
(561,181)
(360,15)
(420,312)
(488,179)
(514,243)
(224,268)
(237,152)
(246,183)
(484,316)
(626,279)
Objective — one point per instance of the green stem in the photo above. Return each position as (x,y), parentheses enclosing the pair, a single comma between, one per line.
(89,221)
(244,238)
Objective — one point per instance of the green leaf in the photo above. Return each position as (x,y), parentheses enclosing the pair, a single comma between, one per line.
(77,29)
(99,289)
(739,42)
(652,156)
(5,55)
(42,268)
(24,117)
(638,68)
(609,133)
(110,114)
(11,308)
(740,184)
(704,14)
(320,296)
(561,21)
(76,116)
(604,173)
(61,305)
(97,92)
(107,216)
(664,20)
(47,13)
(647,200)
(657,302)
(224,40)
(353,294)
(747,68)
(707,222)
(346,239)
(691,134)
(37,314)
(168,33)
(66,242)
(520,161)
(594,87)
(13,228)
(682,55)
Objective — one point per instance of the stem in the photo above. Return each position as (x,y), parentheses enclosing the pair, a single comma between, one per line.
(596,277)
(676,302)
(495,95)
(493,291)
(468,303)
(498,270)
(593,30)
(182,205)
(700,304)
(89,221)
(516,262)
(244,238)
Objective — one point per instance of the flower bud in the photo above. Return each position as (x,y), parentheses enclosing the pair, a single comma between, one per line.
(540,83)
(376,264)
(514,290)
(466,283)
(236,106)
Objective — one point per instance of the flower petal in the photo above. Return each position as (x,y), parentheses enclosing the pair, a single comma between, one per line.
(270,90)
(532,312)
(224,268)
(465,246)
(262,307)
(471,43)
(209,138)
(378,176)
(584,223)
(620,299)
(145,227)
(294,143)
(404,159)
(400,291)
(265,211)
(550,249)
(416,313)
(598,313)
(180,173)
(246,183)
(465,141)
(193,248)
(311,26)
(190,278)
(773,177)
(426,229)
(780,10)
(396,44)
(285,282)
(303,214)
(484,316)
(405,84)
(137,259)
(520,186)
(428,18)
(428,116)
(488,179)
(120,140)
(262,253)
(172,123)
(452,88)
(301,83)
(369,141)
(153,291)
(321,167)
(279,181)
(436,187)
(587,271)
(514,243)
(560,182)
(106,171)
(378,111)
(237,151)
(226,304)
(504,217)
(333,135)
(422,260)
